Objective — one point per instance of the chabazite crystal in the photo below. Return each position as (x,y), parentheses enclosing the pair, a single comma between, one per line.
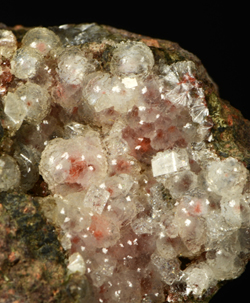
(118,128)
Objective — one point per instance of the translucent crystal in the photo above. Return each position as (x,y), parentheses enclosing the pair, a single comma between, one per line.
(74,163)
(192,228)
(73,66)
(15,111)
(123,287)
(36,101)
(194,203)
(226,177)
(104,91)
(230,210)
(131,59)
(142,225)
(41,39)
(122,210)
(199,277)
(159,202)
(96,198)
(245,210)
(27,159)
(25,62)
(217,229)
(8,43)
(103,269)
(181,182)
(74,129)
(71,219)
(105,230)
(114,141)
(225,263)
(168,162)
(119,185)
(65,241)
(165,248)
(168,269)
(9,173)
(174,72)
(48,205)
(76,264)
(113,136)
(179,87)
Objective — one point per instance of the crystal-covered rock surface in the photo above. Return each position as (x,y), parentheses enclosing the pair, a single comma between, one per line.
(148,210)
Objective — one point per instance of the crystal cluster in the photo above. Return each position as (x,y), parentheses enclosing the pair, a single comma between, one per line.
(145,206)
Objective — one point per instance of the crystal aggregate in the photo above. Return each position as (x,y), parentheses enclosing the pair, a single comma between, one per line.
(134,185)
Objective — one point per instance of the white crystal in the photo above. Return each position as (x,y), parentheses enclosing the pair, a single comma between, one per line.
(42,39)
(125,148)
(73,66)
(132,58)
(104,91)
(96,198)
(79,160)
(8,43)
(35,100)
(226,177)
(168,162)
(142,225)
(174,72)
(225,263)
(230,210)
(26,62)
(199,277)
(65,241)
(76,264)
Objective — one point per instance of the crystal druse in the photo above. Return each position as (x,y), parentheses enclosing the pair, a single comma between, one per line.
(125,147)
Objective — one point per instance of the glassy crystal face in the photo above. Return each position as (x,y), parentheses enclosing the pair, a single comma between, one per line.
(121,140)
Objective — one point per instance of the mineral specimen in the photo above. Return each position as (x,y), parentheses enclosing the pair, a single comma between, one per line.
(118,137)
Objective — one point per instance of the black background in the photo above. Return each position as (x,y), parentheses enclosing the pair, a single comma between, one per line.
(217,33)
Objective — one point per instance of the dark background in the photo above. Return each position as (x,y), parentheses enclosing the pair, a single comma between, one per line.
(217,33)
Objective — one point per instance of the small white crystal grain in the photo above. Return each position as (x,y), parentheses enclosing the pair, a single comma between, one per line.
(76,264)
(168,162)
(8,43)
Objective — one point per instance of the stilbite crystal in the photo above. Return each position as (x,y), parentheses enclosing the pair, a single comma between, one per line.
(121,133)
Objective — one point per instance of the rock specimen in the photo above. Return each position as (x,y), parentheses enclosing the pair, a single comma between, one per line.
(132,156)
